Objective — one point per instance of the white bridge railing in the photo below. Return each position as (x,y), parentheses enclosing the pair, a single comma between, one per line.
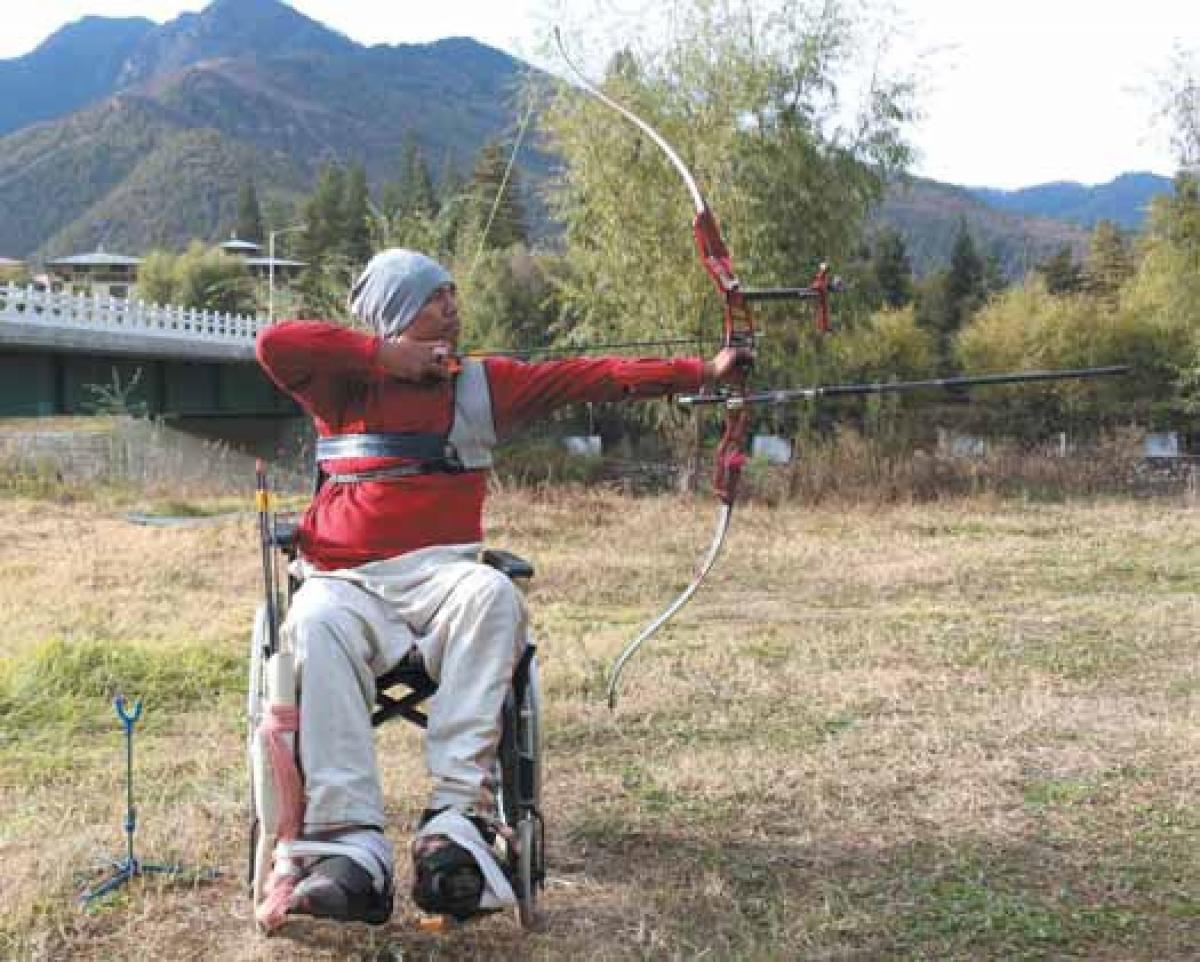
(111,315)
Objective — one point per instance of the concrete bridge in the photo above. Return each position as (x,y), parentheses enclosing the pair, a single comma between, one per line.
(62,353)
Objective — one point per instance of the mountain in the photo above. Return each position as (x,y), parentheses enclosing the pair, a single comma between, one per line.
(928,214)
(231,28)
(137,135)
(76,66)
(246,88)
(1123,200)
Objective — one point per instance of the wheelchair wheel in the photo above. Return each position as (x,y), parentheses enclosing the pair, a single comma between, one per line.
(255,700)
(528,853)
(520,788)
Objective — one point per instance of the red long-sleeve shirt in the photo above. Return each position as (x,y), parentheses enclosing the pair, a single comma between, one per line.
(332,371)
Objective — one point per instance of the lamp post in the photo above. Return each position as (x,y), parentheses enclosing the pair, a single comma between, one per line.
(271,266)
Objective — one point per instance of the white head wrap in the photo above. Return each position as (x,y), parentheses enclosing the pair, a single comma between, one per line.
(393,287)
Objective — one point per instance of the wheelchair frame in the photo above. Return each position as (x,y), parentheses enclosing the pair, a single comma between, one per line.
(401,691)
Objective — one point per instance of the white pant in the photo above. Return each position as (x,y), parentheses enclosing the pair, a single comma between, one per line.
(347,627)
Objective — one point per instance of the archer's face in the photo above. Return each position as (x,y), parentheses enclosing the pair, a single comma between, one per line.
(437,320)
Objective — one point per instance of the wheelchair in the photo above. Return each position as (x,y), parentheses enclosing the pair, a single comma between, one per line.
(400,693)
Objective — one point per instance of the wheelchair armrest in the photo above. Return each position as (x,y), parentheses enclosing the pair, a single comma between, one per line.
(284,535)
(513,566)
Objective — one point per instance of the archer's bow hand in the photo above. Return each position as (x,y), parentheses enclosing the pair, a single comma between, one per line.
(727,364)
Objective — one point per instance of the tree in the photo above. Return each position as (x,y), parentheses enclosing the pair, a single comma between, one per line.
(454,211)
(1061,272)
(498,212)
(891,269)
(201,277)
(1109,261)
(749,95)
(414,194)
(353,218)
(1165,290)
(1181,107)
(409,206)
(325,280)
(322,213)
(965,281)
(212,280)
(948,298)
(511,305)
(249,219)
(156,278)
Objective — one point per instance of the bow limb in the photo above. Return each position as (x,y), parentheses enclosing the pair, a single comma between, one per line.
(724,514)
(738,333)
(697,197)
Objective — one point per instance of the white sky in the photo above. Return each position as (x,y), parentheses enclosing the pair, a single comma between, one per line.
(1013,92)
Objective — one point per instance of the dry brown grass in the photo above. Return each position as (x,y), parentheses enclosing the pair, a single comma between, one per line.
(966,730)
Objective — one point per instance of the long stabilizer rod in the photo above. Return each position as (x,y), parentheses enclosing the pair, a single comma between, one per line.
(788,293)
(788,395)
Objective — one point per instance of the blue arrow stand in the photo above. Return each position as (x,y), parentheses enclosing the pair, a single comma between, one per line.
(129,867)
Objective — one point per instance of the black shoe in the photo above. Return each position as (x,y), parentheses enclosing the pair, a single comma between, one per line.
(337,887)
(447,880)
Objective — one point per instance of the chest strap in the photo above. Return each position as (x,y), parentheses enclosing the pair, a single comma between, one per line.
(426,453)
(418,447)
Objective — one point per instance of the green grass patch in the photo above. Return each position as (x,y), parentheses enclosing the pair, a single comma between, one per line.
(1058,792)
(59,686)
(972,909)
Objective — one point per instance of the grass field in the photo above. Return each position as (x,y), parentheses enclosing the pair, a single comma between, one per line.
(967,730)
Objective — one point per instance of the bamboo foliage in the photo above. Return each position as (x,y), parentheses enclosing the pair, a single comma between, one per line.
(751,99)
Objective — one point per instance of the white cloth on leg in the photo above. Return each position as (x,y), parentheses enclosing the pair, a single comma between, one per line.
(351,625)
(368,848)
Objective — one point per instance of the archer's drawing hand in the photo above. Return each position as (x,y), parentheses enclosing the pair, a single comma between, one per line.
(727,363)
(410,360)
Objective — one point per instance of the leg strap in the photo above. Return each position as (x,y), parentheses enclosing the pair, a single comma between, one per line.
(344,846)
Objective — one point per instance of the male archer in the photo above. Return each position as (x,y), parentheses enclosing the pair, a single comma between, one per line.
(389,547)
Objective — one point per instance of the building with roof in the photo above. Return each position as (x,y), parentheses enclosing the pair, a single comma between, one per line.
(260,267)
(242,248)
(100,272)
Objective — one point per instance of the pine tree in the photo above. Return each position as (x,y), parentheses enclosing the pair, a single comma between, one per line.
(496,200)
(455,210)
(323,283)
(409,205)
(1062,273)
(891,269)
(1109,261)
(422,198)
(965,280)
(249,218)
(948,298)
(322,216)
(354,218)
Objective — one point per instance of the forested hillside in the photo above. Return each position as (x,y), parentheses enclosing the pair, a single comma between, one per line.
(928,216)
(1124,201)
(264,93)
(269,94)
(78,65)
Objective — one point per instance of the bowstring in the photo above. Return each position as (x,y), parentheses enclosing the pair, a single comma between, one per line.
(508,169)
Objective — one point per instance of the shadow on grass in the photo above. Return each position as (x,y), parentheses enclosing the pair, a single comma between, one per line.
(967,899)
